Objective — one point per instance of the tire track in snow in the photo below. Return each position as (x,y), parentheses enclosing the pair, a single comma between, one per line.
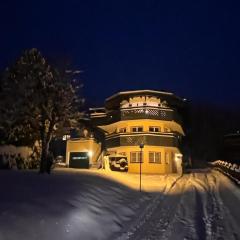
(188,222)
(210,208)
(199,216)
(192,209)
(222,222)
(153,224)
(207,209)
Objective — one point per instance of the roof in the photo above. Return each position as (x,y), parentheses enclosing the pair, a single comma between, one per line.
(138,92)
(114,100)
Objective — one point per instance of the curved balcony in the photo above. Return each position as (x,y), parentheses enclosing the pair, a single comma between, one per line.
(143,112)
(147,112)
(135,139)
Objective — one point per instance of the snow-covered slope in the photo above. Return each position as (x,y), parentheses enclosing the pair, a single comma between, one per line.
(78,204)
(70,204)
(201,205)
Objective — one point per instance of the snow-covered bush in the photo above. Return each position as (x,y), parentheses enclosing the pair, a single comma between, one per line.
(234,166)
(237,169)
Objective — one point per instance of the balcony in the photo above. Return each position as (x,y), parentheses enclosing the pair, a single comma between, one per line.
(135,139)
(143,112)
(146,112)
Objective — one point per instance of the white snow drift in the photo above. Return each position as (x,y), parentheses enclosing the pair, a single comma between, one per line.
(94,205)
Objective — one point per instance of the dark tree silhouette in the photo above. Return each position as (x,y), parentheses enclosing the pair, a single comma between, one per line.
(206,129)
(37,100)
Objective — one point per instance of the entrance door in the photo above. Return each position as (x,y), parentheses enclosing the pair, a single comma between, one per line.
(174,165)
(178,161)
(79,160)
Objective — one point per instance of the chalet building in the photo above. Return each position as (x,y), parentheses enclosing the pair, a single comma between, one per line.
(146,118)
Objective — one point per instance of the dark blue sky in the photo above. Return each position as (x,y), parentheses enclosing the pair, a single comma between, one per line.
(187,47)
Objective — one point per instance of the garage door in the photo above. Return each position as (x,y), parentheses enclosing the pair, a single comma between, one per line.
(79,160)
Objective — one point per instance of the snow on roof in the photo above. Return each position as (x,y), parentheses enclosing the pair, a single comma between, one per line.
(138,92)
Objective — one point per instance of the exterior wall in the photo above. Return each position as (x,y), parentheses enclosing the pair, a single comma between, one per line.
(125,139)
(164,141)
(145,123)
(84,145)
(153,168)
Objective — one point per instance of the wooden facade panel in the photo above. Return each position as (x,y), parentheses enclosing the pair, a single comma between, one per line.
(137,113)
(146,139)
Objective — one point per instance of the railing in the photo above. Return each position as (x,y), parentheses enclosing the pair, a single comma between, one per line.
(147,112)
(152,139)
(143,112)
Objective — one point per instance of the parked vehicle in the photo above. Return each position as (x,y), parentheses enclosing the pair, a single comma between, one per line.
(118,162)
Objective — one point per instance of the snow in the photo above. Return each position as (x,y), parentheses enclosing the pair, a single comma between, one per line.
(229,169)
(200,205)
(96,204)
(69,204)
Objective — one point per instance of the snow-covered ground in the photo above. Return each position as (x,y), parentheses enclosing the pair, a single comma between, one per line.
(78,204)
(201,205)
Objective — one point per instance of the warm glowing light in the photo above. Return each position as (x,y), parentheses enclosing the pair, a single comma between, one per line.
(90,153)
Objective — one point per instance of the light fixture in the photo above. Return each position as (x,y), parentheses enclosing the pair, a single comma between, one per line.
(90,153)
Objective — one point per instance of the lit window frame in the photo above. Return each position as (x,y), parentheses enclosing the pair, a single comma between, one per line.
(156,157)
(136,158)
(137,129)
(65,137)
(154,128)
(122,130)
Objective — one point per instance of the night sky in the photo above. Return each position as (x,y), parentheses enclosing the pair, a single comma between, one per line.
(190,48)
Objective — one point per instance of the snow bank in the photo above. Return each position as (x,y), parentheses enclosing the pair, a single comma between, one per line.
(70,204)
(232,170)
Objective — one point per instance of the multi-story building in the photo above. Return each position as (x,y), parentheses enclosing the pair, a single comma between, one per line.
(145,118)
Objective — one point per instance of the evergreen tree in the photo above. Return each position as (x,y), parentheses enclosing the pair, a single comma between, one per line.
(36,100)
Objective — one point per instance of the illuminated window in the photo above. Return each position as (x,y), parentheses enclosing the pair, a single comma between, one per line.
(137,129)
(65,137)
(122,130)
(154,157)
(135,157)
(154,129)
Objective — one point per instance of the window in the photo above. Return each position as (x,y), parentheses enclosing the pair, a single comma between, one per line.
(167,157)
(65,137)
(137,129)
(135,157)
(154,157)
(122,130)
(154,129)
